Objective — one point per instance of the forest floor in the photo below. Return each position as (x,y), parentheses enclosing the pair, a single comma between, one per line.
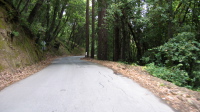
(180,98)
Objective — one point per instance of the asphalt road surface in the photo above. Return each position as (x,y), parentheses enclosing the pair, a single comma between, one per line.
(73,85)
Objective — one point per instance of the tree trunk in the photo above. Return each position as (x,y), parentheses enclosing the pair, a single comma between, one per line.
(56,31)
(124,33)
(102,32)
(72,32)
(25,6)
(116,41)
(19,4)
(93,28)
(170,24)
(33,13)
(87,29)
(137,42)
(49,32)
(47,13)
(186,12)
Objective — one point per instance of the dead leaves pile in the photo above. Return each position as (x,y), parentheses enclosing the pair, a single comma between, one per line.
(181,99)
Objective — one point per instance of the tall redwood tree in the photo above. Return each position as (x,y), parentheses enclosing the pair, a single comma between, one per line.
(87,28)
(93,28)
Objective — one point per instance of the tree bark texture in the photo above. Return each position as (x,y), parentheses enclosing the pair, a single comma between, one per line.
(116,41)
(170,24)
(33,13)
(87,28)
(102,32)
(93,28)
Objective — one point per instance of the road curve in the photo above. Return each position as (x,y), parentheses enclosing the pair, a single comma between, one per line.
(73,85)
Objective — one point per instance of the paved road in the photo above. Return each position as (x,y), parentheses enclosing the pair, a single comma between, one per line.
(72,85)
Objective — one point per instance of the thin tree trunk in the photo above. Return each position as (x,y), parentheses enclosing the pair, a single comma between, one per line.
(72,32)
(124,33)
(19,4)
(59,24)
(137,42)
(170,24)
(186,11)
(93,28)
(25,6)
(47,13)
(87,29)
(49,32)
(116,41)
(63,25)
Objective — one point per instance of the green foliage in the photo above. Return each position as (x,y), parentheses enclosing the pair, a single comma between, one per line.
(174,75)
(186,28)
(182,52)
(181,49)
(15,33)
(37,28)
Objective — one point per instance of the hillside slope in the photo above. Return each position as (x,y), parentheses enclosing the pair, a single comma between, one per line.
(16,47)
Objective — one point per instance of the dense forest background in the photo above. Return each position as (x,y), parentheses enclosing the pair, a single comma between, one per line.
(164,34)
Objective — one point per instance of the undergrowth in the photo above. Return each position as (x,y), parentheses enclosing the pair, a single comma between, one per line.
(174,75)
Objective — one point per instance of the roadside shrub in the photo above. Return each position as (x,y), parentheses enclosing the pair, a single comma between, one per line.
(174,75)
(181,52)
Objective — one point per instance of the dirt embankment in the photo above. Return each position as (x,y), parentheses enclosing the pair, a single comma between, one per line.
(18,52)
(17,49)
(181,99)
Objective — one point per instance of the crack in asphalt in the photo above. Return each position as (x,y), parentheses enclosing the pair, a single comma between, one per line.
(101,84)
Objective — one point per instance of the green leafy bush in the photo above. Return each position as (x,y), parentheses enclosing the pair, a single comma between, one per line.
(182,52)
(174,75)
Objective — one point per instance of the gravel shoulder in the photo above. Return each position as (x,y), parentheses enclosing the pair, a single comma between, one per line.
(181,99)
